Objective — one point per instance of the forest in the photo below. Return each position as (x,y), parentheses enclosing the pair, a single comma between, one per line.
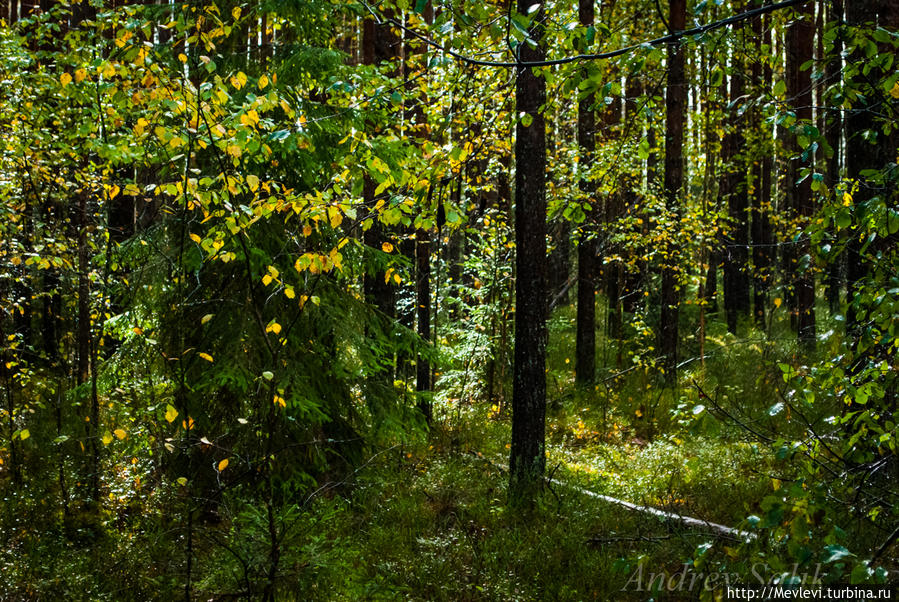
(447,299)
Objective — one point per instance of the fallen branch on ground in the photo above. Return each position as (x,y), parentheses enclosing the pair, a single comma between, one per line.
(687,521)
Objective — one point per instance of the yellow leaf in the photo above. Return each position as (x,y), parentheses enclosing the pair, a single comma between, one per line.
(266,280)
(114,191)
(170,413)
(24,434)
(279,401)
(307,230)
(196,238)
(387,247)
(182,57)
(273,327)
(235,12)
(120,433)
(263,81)
(65,79)
(206,318)
(107,438)
(253,182)
(777,301)
(206,357)
(223,465)
(137,330)
(182,481)
(80,74)
(288,292)
(894,92)
(335,217)
(847,199)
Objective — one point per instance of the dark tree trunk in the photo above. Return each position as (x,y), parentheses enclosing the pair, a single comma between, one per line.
(630,189)
(762,240)
(423,311)
(585,338)
(527,460)
(418,125)
(736,257)
(800,47)
(613,272)
(675,105)
(379,44)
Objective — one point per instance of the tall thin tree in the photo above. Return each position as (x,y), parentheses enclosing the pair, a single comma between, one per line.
(675,105)
(527,460)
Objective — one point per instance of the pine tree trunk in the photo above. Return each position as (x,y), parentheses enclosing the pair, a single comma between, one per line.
(736,272)
(675,105)
(527,460)
(762,248)
(585,338)
(800,45)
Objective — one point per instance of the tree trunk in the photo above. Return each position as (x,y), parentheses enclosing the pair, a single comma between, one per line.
(527,460)
(675,105)
(800,46)
(736,256)
(762,241)
(585,338)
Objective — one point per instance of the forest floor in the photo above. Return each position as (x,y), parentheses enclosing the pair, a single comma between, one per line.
(427,517)
(430,520)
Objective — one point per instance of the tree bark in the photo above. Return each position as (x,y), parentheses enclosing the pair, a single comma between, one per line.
(762,241)
(585,337)
(527,460)
(675,105)
(800,47)
(736,273)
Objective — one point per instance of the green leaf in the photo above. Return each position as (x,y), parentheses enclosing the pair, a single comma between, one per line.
(836,552)
(780,87)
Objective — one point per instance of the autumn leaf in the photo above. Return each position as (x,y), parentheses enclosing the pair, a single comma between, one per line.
(223,465)
(120,433)
(206,357)
(65,79)
(170,413)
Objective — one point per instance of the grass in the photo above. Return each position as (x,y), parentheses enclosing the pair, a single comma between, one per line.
(429,519)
